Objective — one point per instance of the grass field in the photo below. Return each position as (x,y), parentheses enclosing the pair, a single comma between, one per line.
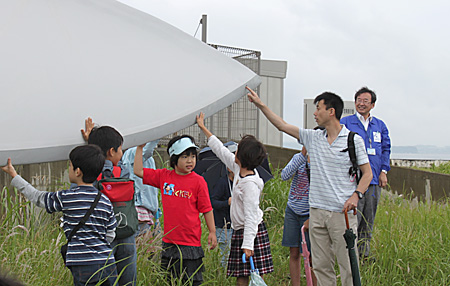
(411,244)
(442,168)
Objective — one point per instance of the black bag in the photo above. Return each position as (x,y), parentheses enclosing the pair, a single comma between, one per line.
(64,251)
(354,170)
(78,226)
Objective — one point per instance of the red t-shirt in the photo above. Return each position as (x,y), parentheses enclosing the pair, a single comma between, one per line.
(184,197)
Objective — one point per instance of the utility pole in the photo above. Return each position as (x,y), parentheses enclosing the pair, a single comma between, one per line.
(204,23)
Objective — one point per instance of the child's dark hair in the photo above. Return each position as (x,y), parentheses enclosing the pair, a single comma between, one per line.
(106,138)
(190,151)
(90,159)
(251,153)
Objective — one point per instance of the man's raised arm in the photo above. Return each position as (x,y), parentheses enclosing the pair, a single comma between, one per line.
(275,119)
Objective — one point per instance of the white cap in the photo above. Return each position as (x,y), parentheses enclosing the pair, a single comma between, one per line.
(181,145)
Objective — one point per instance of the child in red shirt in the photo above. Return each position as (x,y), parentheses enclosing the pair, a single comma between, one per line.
(184,196)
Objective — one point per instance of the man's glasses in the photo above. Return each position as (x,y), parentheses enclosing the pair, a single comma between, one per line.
(365,101)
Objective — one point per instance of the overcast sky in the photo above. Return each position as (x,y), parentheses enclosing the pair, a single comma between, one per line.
(400,49)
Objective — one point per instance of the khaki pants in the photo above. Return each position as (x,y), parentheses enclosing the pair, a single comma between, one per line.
(327,242)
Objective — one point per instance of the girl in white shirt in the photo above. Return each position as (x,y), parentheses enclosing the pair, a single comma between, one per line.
(250,234)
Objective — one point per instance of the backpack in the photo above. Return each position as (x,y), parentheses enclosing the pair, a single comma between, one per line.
(120,192)
(354,170)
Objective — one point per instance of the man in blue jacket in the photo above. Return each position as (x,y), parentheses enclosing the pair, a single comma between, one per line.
(378,146)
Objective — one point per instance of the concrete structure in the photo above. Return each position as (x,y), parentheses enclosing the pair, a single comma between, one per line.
(309,107)
(271,92)
(410,182)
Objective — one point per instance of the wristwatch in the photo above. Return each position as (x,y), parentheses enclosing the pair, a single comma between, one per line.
(384,171)
(360,195)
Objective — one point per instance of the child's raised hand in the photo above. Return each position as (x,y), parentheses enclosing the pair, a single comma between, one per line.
(212,240)
(253,97)
(9,168)
(201,120)
(201,124)
(88,125)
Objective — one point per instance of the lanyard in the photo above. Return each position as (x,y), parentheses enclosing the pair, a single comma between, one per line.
(368,135)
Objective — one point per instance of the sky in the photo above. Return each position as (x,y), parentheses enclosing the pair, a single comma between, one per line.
(399,48)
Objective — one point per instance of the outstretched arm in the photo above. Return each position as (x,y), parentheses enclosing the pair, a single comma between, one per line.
(138,162)
(275,119)
(35,196)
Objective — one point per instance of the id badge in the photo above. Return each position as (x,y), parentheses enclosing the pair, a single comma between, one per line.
(371,151)
(377,137)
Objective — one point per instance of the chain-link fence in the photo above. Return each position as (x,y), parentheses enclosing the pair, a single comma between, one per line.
(236,120)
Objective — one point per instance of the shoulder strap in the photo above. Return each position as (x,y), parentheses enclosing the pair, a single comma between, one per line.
(351,148)
(85,218)
(116,172)
(352,154)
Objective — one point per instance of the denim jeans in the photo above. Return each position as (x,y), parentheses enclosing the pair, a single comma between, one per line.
(124,251)
(88,275)
(292,230)
(224,240)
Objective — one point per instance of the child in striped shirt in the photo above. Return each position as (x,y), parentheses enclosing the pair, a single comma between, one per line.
(89,255)
(297,211)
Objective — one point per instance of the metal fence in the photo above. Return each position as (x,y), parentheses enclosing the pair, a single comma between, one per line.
(236,120)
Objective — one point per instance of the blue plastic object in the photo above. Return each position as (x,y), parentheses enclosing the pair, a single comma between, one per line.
(252,265)
(255,279)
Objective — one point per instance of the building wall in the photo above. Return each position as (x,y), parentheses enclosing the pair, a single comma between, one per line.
(309,107)
(271,92)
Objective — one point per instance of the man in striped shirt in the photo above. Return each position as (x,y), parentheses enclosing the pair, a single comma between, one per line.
(332,189)
(89,252)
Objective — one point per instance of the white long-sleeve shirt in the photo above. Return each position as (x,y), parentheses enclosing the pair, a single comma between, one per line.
(244,212)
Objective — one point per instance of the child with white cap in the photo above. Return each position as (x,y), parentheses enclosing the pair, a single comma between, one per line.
(184,196)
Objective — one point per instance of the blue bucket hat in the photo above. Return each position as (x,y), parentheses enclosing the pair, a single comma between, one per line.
(181,145)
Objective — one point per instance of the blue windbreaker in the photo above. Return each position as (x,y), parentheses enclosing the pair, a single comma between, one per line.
(381,159)
(146,196)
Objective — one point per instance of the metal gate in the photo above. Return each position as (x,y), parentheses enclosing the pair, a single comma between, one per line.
(236,120)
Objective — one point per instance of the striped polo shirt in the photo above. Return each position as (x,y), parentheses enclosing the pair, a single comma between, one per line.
(299,192)
(331,185)
(89,245)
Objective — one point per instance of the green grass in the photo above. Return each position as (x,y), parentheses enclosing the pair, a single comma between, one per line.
(443,168)
(411,244)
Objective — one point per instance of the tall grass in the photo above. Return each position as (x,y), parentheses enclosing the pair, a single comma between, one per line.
(443,168)
(411,244)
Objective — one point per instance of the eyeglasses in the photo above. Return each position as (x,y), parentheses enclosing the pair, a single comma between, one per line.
(365,101)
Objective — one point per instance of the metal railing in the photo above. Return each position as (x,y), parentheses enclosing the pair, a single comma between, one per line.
(236,120)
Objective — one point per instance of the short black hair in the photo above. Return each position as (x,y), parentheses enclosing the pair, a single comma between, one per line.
(90,159)
(106,138)
(365,89)
(251,153)
(190,151)
(331,100)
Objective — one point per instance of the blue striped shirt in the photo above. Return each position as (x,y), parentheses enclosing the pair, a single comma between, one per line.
(89,245)
(331,185)
(299,191)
